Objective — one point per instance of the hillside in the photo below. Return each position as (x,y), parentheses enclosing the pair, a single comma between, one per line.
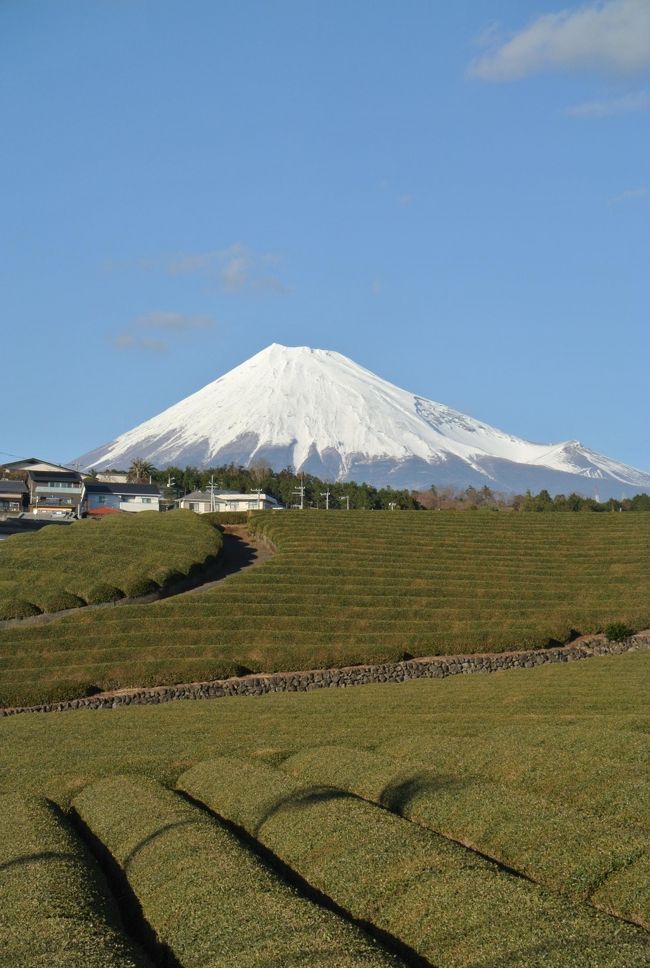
(480,821)
(355,587)
(94,562)
(322,413)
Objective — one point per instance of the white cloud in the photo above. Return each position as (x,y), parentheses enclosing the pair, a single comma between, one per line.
(236,268)
(179,322)
(628,196)
(132,337)
(609,35)
(626,104)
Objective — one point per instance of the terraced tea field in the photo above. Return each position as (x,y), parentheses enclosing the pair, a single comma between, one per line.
(355,587)
(474,822)
(91,562)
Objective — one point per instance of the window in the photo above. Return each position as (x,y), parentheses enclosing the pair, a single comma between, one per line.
(146,500)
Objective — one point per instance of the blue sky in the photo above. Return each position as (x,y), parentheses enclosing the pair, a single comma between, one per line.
(457,196)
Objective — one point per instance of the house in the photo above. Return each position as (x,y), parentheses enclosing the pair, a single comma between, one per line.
(100,498)
(203,501)
(52,489)
(13,496)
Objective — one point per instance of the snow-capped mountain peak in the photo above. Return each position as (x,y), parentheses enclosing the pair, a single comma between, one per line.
(320,412)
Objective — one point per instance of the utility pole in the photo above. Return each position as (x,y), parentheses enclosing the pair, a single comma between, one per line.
(346,498)
(326,495)
(211,486)
(300,491)
(258,491)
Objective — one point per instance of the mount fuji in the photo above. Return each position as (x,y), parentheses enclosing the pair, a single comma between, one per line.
(323,414)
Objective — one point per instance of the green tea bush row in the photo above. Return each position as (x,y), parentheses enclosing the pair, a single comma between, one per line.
(548,842)
(56,909)
(92,562)
(448,904)
(207,897)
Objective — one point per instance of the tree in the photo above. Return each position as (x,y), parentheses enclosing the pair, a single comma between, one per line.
(140,471)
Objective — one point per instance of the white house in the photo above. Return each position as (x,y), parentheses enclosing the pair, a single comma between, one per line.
(102,498)
(203,501)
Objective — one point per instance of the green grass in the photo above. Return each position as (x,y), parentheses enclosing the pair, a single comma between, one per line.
(521,762)
(56,909)
(347,588)
(448,904)
(210,900)
(90,561)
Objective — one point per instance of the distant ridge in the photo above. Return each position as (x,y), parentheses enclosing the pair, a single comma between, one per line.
(320,412)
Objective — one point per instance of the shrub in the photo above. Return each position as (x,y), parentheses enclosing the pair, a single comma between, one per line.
(101,592)
(226,517)
(135,586)
(56,908)
(210,900)
(14,607)
(57,600)
(618,632)
(387,871)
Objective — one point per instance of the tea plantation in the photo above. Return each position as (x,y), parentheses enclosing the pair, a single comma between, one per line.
(472,822)
(352,587)
(91,562)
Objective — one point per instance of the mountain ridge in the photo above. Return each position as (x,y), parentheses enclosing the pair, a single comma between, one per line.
(322,413)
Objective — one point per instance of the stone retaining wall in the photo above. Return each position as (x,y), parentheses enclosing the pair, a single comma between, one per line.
(433,667)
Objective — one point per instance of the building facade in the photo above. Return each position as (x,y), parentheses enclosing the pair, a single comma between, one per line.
(100,498)
(202,502)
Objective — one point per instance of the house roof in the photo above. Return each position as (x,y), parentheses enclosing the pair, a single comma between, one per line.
(13,487)
(54,475)
(104,488)
(24,465)
(221,496)
(196,496)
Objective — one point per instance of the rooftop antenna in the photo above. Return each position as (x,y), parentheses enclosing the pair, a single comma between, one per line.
(326,495)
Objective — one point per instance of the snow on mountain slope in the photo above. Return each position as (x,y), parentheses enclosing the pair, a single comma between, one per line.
(321,412)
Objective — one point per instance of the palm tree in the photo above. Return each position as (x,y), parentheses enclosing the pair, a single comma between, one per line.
(140,471)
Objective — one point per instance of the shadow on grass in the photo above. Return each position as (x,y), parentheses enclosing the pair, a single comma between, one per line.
(248,840)
(131,911)
(302,800)
(36,858)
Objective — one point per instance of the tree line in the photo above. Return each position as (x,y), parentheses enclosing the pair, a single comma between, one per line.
(285,487)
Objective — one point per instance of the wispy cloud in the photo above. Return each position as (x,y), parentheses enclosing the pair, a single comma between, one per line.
(236,269)
(135,335)
(406,200)
(626,104)
(609,36)
(632,194)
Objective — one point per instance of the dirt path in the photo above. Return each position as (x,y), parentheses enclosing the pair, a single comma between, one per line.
(241,550)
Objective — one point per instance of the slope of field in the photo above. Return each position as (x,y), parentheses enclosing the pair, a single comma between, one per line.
(90,561)
(355,587)
(374,800)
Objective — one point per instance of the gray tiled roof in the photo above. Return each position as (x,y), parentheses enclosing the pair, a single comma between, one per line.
(13,487)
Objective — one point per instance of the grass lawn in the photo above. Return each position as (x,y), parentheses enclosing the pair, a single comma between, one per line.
(355,587)
(413,808)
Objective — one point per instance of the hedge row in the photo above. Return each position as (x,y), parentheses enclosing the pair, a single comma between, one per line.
(448,904)
(548,842)
(354,587)
(93,562)
(209,899)
(56,909)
